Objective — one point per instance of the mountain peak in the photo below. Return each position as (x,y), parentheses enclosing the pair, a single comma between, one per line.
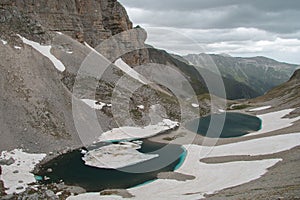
(225,55)
(296,75)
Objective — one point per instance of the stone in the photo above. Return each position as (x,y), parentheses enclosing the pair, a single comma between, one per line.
(8,197)
(20,188)
(120,192)
(49,170)
(9,161)
(50,194)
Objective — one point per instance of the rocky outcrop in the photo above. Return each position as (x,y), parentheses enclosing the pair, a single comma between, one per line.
(86,20)
(91,21)
(295,76)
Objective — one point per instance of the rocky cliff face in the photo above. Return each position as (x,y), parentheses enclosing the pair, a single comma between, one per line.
(35,97)
(91,21)
(86,20)
(296,76)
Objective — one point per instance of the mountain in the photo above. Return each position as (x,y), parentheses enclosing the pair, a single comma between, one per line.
(259,73)
(286,95)
(58,89)
(198,77)
(43,45)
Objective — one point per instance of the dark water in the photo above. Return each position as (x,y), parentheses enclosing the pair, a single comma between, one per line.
(71,169)
(235,125)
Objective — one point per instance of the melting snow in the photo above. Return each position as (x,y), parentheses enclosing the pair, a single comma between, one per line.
(124,67)
(3,42)
(195,105)
(142,107)
(260,108)
(128,70)
(95,104)
(274,121)
(69,52)
(129,132)
(17,176)
(116,156)
(45,50)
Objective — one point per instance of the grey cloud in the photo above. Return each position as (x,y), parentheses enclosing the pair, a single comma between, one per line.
(192,5)
(238,27)
(271,15)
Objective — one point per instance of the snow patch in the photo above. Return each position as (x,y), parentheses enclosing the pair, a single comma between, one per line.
(116,156)
(124,67)
(260,108)
(129,132)
(94,104)
(255,147)
(45,50)
(17,176)
(142,107)
(94,196)
(3,42)
(195,105)
(128,70)
(69,51)
(274,121)
(234,105)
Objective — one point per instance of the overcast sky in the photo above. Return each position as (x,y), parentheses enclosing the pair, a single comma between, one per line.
(237,27)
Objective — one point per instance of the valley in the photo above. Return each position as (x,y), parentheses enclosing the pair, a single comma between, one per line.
(90,110)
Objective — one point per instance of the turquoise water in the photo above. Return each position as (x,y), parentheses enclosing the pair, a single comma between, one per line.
(71,169)
(235,125)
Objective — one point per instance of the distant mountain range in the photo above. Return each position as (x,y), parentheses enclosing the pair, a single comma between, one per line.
(259,73)
(200,76)
(285,95)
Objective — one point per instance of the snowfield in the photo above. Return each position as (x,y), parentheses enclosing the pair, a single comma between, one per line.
(17,176)
(274,121)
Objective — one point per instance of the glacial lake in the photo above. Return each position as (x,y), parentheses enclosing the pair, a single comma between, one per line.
(235,125)
(71,169)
